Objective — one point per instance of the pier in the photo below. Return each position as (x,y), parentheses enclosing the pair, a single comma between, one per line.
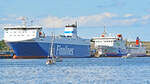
(6,55)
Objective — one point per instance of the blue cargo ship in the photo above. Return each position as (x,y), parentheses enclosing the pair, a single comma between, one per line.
(31,42)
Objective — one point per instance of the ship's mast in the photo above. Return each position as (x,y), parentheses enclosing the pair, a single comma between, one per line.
(76,23)
(52,60)
(104,33)
(31,22)
(24,21)
(51,48)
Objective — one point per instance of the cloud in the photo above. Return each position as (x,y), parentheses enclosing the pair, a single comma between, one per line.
(53,21)
(97,20)
(4,19)
(17,20)
(107,4)
(93,20)
(7,19)
(124,22)
(128,15)
(146,17)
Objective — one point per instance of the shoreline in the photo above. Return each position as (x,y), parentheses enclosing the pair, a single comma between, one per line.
(11,57)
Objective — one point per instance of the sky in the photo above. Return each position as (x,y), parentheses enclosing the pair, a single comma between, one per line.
(131,18)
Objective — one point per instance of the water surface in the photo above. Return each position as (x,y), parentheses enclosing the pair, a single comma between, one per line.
(76,71)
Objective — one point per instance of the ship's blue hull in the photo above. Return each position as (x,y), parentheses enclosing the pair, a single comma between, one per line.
(115,55)
(42,50)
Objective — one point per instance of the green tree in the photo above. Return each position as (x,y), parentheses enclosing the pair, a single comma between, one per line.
(3,45)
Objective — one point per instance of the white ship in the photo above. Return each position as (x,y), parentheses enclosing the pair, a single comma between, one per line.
(107,45)
(136,50)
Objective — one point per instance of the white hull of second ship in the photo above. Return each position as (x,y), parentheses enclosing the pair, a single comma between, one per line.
(137,51)
(111,51)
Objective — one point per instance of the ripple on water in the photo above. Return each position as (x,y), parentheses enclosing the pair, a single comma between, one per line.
(76,71)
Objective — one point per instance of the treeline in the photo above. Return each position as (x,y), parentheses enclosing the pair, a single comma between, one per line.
(3,45)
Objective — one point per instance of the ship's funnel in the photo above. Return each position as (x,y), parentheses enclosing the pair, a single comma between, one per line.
(71,30)
(137,41)
(120,36)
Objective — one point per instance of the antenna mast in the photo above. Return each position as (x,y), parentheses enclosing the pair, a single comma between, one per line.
(104,33)
(24,21)
(76,23)
(31,22)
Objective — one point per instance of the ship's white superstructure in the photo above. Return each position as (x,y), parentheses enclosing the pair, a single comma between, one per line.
(21,33)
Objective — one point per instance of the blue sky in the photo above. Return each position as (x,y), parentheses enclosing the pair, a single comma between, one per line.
(129,17)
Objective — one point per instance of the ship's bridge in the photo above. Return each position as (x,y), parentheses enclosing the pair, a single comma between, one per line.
(111,41)
(21,33)
(107,41)
(71,30)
